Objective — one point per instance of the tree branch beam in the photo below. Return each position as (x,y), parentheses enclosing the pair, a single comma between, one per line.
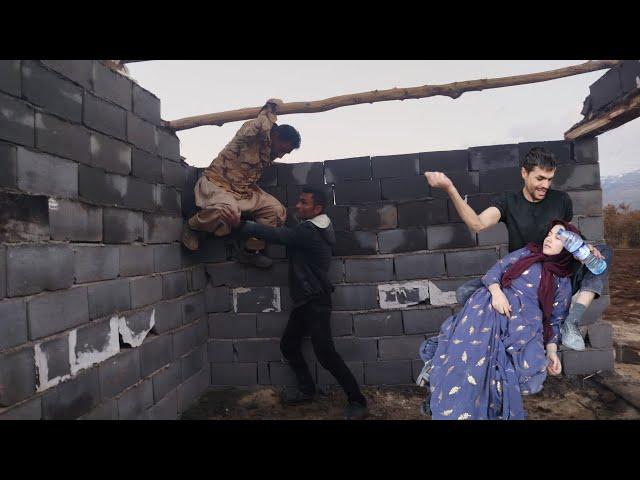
(452,90)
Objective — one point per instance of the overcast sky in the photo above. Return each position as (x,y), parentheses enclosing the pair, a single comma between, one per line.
(542,111)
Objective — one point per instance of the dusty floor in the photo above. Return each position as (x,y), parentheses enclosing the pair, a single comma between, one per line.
(624,311)
(562,398)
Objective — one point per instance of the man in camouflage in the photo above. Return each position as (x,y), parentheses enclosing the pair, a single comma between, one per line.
(229,184)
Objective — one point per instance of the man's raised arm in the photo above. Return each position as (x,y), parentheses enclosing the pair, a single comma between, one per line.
(259,126)
(475,222)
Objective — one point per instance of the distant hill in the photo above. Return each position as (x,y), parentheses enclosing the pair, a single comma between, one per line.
(622,188)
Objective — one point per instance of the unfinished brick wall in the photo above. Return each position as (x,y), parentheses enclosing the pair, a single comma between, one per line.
(100,314)
(401,253)
(104,315)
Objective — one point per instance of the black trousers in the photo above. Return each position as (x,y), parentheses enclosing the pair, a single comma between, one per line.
(313,318)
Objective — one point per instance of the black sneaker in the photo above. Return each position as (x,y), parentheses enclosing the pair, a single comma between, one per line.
(356,411)
(295,396)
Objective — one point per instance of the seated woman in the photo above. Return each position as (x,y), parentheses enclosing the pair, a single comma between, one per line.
(492,352)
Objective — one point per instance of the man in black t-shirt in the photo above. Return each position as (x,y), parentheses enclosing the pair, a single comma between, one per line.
(527,214)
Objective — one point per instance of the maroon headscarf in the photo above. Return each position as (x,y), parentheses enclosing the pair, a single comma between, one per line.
(560,265)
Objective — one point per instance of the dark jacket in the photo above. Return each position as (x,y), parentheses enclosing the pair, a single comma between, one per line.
(309,249)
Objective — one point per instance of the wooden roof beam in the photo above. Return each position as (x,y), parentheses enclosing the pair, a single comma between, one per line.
(617,114)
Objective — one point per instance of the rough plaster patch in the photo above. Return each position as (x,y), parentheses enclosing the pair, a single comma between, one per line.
(85,358)
(275,304)
(236,292)
(128,335)
(402,295)
(42,371)
(439,297)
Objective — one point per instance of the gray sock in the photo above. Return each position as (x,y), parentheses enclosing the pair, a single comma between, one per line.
(576,314)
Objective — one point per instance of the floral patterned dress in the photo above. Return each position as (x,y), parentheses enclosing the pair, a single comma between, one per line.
(483,362)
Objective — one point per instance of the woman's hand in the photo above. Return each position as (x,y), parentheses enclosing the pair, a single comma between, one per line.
(554,367)
(499,301)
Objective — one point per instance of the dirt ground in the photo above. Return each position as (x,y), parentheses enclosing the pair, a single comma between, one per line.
(562,398)
(624,311)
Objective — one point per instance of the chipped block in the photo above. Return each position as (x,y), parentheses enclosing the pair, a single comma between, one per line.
(52,362)
(134,327)
(93,344)
(403,295)
(258,299)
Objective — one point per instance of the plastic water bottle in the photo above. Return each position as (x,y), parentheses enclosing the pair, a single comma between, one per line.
(575,245)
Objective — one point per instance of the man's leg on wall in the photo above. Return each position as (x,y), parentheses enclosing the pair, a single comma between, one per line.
(589,287)
(266,210)
(212,200)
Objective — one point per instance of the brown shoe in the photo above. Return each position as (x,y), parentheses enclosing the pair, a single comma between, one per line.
(257,259)
(189,238)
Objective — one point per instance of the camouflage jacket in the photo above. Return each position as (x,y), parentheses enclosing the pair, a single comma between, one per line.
(239,165)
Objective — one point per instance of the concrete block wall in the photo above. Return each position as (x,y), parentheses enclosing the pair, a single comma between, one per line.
(402,251)
(618,83)
(102,315)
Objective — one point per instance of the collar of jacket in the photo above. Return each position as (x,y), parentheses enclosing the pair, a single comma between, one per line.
(321,221)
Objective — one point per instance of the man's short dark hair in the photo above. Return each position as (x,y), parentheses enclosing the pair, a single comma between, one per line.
(539,157)
(319,197)
(288,134)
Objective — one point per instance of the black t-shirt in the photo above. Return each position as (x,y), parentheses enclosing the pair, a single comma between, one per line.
(527,221)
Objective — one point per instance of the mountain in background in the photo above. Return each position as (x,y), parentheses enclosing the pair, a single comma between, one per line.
(622,188)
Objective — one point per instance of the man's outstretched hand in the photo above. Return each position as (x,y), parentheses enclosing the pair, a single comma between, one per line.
(595,251)
(439,180)
(231,218)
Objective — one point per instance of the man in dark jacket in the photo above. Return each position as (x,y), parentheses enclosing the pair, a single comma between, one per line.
(309,248)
